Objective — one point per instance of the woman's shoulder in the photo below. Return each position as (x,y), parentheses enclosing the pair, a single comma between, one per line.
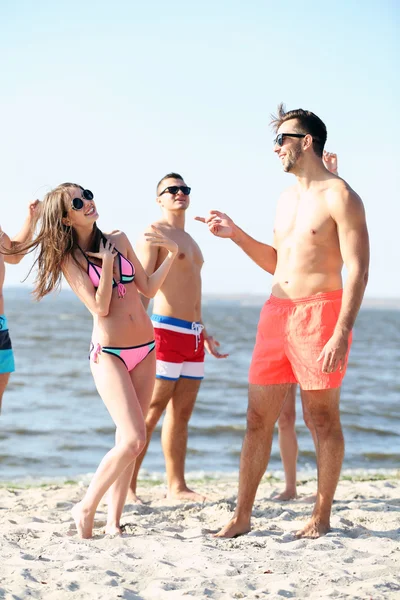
(119,239)
(115,235)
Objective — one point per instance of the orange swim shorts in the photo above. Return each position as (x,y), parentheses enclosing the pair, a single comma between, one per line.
(290,337)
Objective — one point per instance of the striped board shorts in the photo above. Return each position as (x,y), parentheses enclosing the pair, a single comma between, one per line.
(179,348)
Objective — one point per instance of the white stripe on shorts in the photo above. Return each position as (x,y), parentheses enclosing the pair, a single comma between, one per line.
(169,370)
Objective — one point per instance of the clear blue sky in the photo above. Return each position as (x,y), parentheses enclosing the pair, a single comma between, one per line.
(113,95)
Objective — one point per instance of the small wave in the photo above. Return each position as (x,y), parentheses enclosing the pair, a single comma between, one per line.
(381,457)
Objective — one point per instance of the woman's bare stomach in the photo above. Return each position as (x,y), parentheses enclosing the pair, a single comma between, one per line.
(123,329)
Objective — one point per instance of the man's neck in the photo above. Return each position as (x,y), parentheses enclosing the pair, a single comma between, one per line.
(175,219)
(310,174)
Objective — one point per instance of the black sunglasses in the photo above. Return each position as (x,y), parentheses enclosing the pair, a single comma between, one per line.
(173,189)
(281,136)
(77,203)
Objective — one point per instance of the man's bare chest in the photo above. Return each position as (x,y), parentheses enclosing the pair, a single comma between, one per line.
(303,221)
(189,254)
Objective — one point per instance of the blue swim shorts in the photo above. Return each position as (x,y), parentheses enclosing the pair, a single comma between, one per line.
(7,364)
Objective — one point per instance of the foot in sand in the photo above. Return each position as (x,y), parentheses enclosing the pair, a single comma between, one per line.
(308,499)
(114,529)
(83,521)
(185,494)
(313,530)
(132,498)
(234,529)
(285,496)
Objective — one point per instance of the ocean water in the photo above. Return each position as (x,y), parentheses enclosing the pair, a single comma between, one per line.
(54,424)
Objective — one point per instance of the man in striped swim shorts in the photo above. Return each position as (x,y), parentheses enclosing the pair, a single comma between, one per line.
(7,365)
(305,327)
(180,335)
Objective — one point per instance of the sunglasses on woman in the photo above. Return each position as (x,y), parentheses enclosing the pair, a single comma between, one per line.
(77,203)
(173,189)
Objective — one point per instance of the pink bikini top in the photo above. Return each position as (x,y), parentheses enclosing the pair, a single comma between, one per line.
(126,270)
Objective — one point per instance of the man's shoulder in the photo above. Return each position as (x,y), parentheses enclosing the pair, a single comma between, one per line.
(160,224)
(339,191)
(289,191)
(342,200)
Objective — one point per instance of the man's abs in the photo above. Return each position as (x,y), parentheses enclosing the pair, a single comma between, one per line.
(304,270)
(179,298)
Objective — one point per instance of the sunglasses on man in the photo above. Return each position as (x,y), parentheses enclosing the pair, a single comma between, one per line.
(278,141)
(78,203)
(174,189)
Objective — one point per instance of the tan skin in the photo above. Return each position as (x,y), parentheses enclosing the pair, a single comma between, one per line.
(176,398)
(287,418)
(8,244)
(320,225)
(120,322)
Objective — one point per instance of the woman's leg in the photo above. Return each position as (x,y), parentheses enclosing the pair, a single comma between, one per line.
(288,444)
(142,377)
(115,387)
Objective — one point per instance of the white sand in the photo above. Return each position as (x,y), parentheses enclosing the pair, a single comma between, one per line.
(166,552)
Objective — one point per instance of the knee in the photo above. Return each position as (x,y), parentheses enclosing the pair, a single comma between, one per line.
(153,415)
(181,414)
(326,424)
(134,446)
(255,420)
(286,421)
(308,421)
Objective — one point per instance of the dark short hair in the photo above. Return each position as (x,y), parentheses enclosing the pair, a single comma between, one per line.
(307,122)
(169,176)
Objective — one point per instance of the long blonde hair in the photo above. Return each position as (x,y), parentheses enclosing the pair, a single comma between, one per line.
(55,241)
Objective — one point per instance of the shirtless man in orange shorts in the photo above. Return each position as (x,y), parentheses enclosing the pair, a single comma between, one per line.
(304,332)
(287,419)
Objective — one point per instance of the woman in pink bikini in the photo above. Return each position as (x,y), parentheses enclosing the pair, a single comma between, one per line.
(106,275)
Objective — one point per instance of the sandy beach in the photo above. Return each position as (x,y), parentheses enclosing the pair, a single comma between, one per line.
(168,551)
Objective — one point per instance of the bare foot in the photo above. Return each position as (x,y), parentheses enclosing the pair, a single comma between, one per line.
(308,499)
(234,529)
(132,498)
(83,521)
(114,529)
(313,530)
(186,494)
(285,496)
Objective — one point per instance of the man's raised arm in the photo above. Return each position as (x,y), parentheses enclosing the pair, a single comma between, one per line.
(222,226)
(147,254)
(23,236)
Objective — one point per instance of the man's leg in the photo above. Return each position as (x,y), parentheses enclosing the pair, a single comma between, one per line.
(323,407)
(265,404)
(308,421)
(311,498)
(162,393)
(175,435)
(4,377)
(288,445)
